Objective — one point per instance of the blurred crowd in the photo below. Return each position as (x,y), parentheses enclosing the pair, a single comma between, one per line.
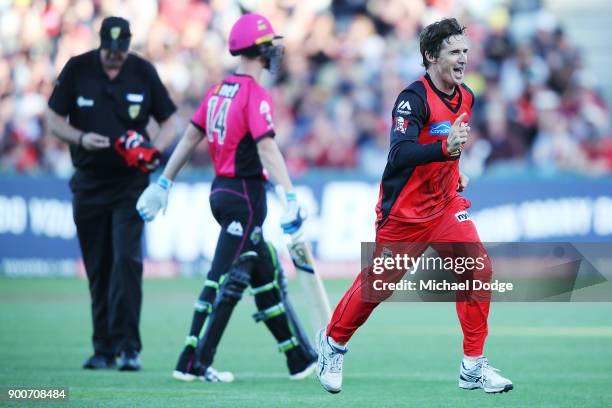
(345,63)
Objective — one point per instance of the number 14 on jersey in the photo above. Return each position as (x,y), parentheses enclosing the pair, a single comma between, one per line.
(217,122)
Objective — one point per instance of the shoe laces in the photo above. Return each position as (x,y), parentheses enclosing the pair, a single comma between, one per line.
(333,357)
(335,363)
(489,371)
(486,365)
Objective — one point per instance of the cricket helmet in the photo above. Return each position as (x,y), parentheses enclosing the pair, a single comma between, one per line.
(250,31)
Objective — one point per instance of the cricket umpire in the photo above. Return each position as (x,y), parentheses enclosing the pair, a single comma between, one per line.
(101,104)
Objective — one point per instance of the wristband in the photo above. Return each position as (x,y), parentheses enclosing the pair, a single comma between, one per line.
(81,138)
(164,182)
(291,196)
(445,150)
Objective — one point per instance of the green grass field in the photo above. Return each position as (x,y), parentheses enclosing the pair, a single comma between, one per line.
(557,354)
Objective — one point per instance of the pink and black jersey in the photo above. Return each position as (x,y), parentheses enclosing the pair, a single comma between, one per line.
(235,114)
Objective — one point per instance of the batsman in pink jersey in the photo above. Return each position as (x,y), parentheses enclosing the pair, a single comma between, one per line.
(235,116)
(240,101)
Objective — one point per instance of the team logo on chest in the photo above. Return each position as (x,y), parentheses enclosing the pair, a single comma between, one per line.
(134,110)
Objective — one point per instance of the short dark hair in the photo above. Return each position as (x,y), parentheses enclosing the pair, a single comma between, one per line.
(253,51)
(432,37)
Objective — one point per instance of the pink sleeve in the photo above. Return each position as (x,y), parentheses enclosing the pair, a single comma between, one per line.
(260,114)
(199,117)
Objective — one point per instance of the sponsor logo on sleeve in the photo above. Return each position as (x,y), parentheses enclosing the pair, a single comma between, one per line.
(401,124)
(404,108)
(264,109)
(440,128)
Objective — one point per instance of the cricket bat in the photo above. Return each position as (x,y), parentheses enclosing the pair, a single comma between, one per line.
(308,276)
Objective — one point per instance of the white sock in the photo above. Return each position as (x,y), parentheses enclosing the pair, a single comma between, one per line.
(333,343)
(470,362)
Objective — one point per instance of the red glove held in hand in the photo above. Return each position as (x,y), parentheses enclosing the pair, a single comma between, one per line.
(137,151)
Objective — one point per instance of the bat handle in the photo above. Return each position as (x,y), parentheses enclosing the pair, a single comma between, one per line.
(281,194)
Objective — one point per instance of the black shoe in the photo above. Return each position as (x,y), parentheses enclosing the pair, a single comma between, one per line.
(129,361)
(300,363)
(99,361)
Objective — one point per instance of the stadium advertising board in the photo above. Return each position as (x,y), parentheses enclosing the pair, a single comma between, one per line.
(38,236)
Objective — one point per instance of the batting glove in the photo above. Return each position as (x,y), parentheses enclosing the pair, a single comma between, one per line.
(153,199)
(137,151)
(294,216)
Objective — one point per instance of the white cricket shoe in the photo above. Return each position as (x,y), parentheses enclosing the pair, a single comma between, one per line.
(199,373)
(329,365)
(212,375)
(482,375)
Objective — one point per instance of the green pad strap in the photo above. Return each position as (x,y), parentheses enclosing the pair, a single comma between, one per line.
(211,284)
(274,261)
(274,283)
(288,344)
(269,313)
(191,341)
(272,254)
(203,307)
(264,288)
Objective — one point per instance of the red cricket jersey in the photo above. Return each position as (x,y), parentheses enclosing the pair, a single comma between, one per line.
(420,178)
(235,114)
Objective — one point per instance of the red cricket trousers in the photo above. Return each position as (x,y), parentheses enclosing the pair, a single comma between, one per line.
(451,227)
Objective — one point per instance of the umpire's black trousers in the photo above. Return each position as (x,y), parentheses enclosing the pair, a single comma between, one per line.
(110,235)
